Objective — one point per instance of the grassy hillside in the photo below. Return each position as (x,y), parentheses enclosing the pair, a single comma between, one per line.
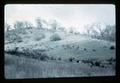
(70,56)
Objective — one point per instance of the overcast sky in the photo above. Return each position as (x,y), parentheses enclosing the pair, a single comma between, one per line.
(76,15)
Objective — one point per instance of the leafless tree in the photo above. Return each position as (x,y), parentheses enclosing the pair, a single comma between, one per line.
(39,23)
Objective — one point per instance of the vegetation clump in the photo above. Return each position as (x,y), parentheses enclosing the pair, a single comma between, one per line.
(55,37)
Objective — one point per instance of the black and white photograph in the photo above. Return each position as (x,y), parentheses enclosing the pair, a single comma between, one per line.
(59,40)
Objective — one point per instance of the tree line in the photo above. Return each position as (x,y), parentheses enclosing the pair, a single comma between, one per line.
(94,30)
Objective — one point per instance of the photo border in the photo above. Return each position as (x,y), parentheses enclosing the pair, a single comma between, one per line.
(82,79)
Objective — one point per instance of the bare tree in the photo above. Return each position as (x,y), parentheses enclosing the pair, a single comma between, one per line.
(18,25)
(39,23)
(7,27)
(88,29)
(109,32)
(97,31)
(54,25)
(28,24)
(71,30)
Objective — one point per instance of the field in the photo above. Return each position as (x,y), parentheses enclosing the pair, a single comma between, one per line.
(39,55)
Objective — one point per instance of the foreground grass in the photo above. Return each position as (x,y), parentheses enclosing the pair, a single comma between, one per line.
(22,67)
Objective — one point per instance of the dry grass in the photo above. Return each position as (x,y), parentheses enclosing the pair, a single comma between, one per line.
(21,67)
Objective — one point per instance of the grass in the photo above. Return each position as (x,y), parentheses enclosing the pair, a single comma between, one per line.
(23,67)
(59,61)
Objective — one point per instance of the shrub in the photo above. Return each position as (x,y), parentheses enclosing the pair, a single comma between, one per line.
(71,59)
(44,57)
(111,59)
(78,61)
(38,38)
(13,37)
(85,49)
(93,50)
(13,51)
(55,37)
(97,63)
(52,58)
(36,54)
(112,47)
(59,58)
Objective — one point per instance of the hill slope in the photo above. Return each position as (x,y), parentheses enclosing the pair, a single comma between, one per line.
(70,46)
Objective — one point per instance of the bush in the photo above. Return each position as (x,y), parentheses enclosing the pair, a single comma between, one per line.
(55,37)
(13,37)
(38,38)
(36,54)
(78,61)
(44,57)
(71,59)
(85,49)
(59,58)
(52,58)
(111,59)
(93,50)
(97,63)
(112,47)
(12,51)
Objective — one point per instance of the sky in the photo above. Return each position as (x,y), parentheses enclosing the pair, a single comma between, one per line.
(68,15)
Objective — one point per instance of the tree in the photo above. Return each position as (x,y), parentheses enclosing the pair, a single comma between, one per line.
(54,25)
(39,23)
(18,25)
(109,32)
(97,31)
(27,24)
(100,29)
(61,28)
(7,27)
(7,30)
(71,30)
(88,29)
